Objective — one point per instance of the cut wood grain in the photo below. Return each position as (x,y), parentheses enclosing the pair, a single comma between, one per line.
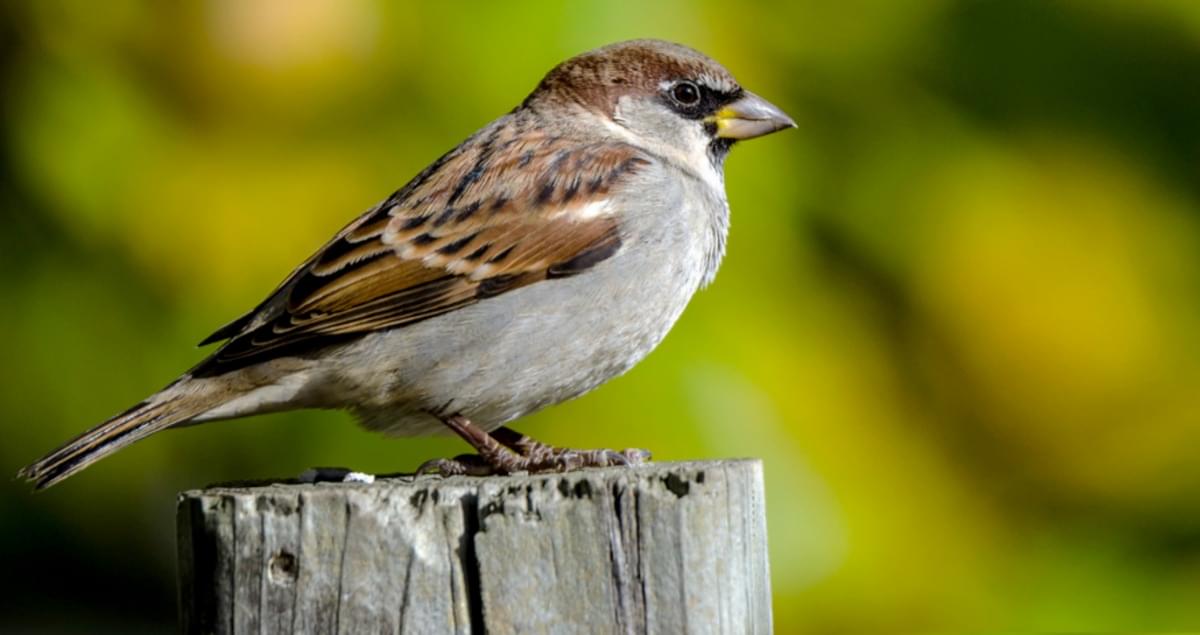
(659,548)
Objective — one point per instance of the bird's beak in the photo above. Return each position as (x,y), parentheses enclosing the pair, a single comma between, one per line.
(750,116)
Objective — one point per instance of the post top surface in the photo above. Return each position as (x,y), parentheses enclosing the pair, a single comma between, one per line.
(407,481)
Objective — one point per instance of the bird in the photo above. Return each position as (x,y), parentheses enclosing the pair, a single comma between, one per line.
(549,252)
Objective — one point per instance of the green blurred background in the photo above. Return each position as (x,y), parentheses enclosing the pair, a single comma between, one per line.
(958,319)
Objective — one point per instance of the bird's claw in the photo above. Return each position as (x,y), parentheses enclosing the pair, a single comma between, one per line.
(564,460)
(549,460)
(505,451)
(461,465)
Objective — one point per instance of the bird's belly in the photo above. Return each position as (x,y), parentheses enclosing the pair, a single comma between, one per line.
(511,355)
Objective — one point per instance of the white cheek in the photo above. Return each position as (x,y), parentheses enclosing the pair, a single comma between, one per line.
(654,127)
(697,139)
(696,157)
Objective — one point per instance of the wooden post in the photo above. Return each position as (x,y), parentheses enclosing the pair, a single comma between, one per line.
(660,548)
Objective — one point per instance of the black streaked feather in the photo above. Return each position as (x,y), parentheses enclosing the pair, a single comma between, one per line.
(501,256)
(586,259)
(451,248)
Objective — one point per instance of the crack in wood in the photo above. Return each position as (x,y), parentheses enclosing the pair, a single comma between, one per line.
(671,547)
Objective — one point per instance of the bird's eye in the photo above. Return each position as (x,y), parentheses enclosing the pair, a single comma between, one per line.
(686,94)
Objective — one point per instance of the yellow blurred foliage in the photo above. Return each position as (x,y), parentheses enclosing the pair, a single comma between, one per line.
(1057,275)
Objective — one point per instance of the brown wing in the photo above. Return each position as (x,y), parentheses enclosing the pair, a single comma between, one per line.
(495,214)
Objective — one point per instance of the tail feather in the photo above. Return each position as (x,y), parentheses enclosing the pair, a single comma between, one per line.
(172,406)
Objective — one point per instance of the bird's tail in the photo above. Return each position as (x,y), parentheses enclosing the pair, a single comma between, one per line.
(175,404)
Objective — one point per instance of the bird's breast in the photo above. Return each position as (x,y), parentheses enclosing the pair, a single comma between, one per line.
(510,355)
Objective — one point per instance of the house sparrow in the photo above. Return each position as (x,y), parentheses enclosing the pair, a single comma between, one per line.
(548,253)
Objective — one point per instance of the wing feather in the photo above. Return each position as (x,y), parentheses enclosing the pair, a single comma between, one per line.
(504,210)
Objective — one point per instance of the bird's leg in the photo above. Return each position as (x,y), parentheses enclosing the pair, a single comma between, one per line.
(524,445)
(506,451)
(492,457)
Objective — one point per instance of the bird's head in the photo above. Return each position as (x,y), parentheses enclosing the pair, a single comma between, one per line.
(664,94)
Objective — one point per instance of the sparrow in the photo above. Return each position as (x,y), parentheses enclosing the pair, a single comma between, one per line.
(548,253)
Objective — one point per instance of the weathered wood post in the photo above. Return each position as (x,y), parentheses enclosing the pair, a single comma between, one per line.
(660,548)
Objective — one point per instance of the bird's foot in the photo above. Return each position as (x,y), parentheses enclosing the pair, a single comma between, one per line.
(506,451)
(547,458)
(461,465)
